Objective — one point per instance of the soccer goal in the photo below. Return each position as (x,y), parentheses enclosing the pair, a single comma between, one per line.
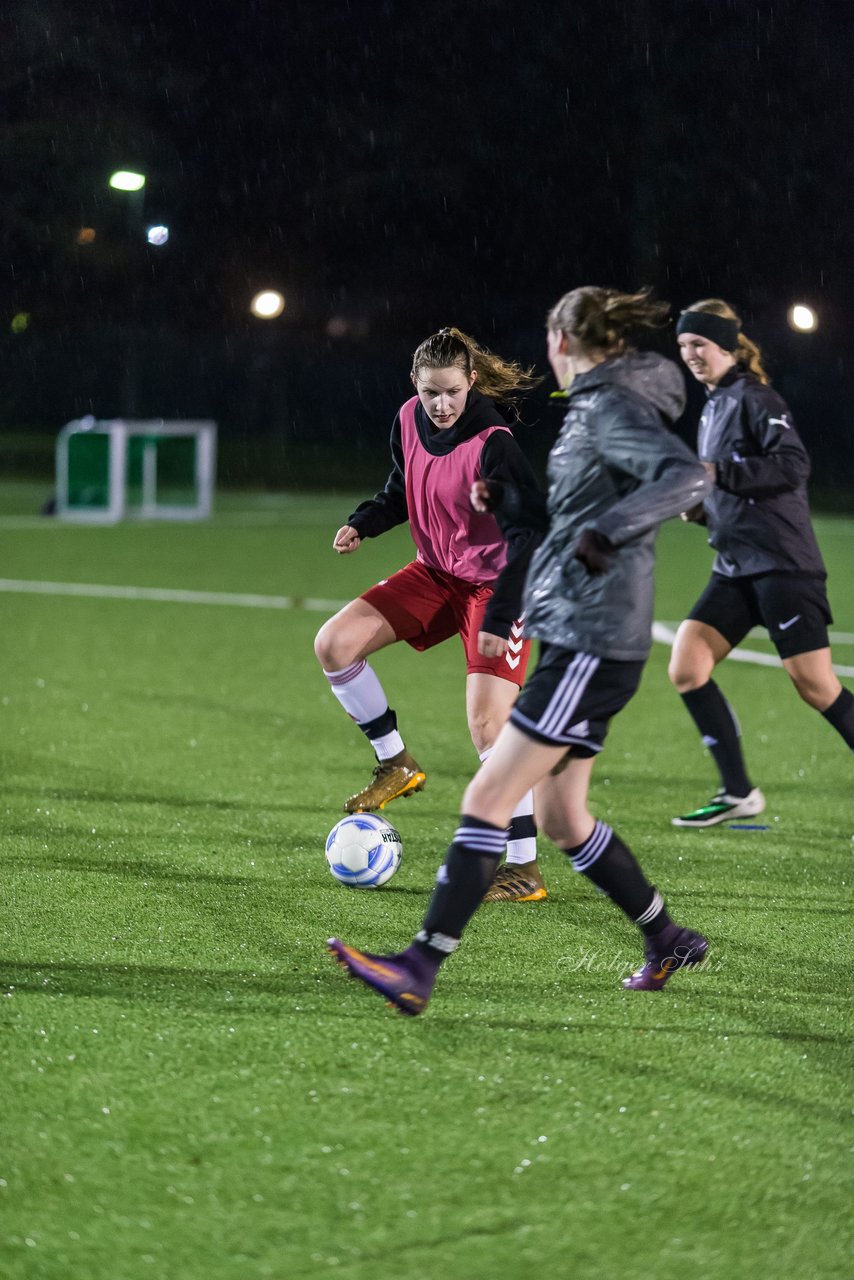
(113,469)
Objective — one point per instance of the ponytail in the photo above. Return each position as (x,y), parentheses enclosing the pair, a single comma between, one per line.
(602,319)
(502,380)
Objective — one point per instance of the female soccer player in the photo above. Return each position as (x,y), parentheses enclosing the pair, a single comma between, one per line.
(615,473)
(768,569)
(443,439)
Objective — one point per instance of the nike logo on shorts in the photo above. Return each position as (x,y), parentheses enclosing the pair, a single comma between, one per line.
(784,626)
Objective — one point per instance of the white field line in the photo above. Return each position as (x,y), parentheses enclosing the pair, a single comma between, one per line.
(665,634)
(167,595)
(662,632)
(322,511)
(239,518)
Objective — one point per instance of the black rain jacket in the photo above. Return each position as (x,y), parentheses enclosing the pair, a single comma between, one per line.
(758,512)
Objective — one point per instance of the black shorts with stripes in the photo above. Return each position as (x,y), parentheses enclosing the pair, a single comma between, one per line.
(571,697)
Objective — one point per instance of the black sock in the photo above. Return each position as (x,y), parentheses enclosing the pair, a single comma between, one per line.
(614,869)
(461,882)
(720,731)
(378,728)
(841,715)
(523,827)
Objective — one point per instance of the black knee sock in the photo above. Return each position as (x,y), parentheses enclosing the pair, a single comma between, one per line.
(841,715)
(462,880)
(720,731)
(614,869)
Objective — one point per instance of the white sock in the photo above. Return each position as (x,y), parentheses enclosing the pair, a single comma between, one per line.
(389,745)
(362,696)
(522,848)
(359,691)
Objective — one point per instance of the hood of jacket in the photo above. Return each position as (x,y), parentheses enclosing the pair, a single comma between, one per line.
(646,374)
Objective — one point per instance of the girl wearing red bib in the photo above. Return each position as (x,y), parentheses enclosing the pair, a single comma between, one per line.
(466,578)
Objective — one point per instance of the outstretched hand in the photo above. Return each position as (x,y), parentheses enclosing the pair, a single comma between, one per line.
(346,540)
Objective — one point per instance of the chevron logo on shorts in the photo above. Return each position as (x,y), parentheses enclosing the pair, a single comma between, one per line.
(514,645)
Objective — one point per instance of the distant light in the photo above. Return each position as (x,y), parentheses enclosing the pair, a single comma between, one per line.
(157,235)
(347,327)
(267,304)
(126,180)
(20,322)
(803,318)
(86,235)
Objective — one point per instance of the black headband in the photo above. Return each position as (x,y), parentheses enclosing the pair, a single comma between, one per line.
(716,328)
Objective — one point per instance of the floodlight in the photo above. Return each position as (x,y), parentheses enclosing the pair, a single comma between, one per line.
(802,318)
(126,180)
(267,304)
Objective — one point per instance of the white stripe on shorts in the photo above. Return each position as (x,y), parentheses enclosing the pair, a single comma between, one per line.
(568,694)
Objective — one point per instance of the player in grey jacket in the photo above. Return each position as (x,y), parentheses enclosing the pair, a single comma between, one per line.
(614,474)
(768,569)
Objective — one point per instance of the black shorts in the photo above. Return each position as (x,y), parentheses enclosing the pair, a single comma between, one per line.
(571,697)
(793,607)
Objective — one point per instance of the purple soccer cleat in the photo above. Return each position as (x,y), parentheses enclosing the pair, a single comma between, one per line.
(674,948)
(406,980)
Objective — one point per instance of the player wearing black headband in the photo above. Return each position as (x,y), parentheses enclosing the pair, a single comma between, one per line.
(768,569)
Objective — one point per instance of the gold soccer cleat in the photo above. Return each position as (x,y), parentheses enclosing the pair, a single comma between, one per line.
(517,882)
(399,776)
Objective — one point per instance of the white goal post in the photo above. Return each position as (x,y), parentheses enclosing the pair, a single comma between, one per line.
(113,469)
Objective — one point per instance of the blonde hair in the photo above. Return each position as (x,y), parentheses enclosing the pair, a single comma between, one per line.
(502,380)
(601,319)
(747,353)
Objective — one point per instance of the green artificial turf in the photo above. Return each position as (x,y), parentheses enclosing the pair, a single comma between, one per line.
(190,1088)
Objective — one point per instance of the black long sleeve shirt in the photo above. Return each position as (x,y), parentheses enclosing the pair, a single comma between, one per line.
(758,512)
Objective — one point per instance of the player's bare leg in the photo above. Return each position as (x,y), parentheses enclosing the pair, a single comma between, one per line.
(813,676)
(342,646)
(815,680)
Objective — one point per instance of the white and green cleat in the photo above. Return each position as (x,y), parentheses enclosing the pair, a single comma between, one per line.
(723,808)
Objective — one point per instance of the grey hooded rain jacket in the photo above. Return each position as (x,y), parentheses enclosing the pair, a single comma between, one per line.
(617,469)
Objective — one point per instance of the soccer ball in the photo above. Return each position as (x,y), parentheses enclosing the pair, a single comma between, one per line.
(363,850)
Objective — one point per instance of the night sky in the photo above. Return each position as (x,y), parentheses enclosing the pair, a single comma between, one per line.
(393,167)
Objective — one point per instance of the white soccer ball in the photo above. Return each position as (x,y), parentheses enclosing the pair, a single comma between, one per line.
(363,850)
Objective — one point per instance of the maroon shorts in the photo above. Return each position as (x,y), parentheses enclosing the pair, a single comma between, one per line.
(425,606)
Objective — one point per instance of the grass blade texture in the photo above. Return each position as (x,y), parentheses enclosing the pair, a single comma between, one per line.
(192,1089)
